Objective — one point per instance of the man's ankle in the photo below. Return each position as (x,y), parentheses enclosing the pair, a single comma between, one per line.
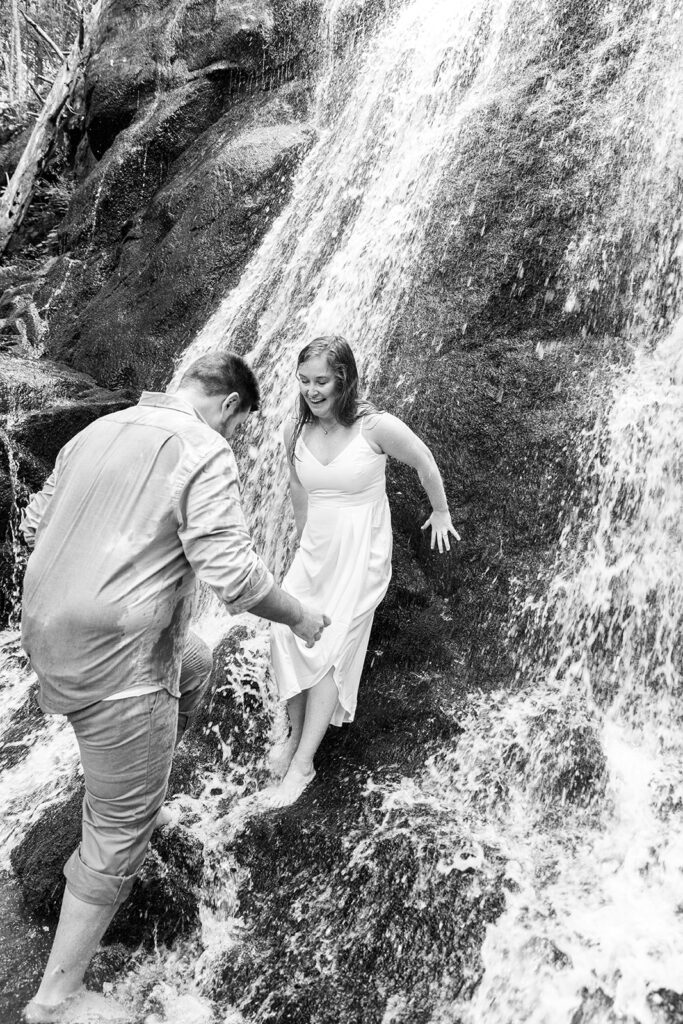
(43,1009)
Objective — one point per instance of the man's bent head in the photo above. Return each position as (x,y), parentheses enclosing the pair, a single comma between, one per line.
(223,389)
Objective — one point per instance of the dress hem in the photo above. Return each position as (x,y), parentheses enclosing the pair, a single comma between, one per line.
(302,689)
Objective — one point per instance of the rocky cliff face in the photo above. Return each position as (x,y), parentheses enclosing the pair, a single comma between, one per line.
(193,120)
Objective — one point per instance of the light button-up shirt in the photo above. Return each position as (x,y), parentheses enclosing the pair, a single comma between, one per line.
(139,504)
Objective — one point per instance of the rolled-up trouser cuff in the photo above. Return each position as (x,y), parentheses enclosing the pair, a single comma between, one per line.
(92,886)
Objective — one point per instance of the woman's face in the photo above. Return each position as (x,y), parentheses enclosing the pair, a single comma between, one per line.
(317,385)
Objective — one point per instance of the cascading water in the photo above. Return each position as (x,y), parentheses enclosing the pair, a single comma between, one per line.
(343,255)
(577,780)
(571,787)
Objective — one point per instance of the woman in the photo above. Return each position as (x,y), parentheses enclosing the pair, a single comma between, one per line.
(337,450)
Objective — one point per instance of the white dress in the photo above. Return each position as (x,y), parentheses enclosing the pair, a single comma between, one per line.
(342,568)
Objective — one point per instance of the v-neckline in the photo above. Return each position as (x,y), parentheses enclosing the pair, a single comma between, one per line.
(324,465)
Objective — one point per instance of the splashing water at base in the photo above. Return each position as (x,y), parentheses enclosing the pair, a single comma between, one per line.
(577,781)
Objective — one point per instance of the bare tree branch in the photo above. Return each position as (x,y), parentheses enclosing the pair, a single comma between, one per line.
(17,196)
(43,35)
(36,93)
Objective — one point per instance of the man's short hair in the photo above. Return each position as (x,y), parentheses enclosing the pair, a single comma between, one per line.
(220,373)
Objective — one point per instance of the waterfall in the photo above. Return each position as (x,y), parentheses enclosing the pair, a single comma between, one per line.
(345,252)
(576,781)
(566,788)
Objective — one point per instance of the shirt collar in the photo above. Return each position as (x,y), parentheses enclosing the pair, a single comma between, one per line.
(160,398)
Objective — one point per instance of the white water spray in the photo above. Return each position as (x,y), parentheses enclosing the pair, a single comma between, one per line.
(345,253)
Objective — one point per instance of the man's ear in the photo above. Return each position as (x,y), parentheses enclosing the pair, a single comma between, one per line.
(230,404)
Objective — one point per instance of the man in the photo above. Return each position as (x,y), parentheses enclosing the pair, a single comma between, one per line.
(140,503)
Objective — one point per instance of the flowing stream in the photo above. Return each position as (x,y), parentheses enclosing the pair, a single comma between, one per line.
(572,779)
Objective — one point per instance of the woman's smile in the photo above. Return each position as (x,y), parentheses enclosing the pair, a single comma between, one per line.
(317,384)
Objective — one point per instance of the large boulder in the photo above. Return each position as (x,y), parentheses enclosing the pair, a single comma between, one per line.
(174,257)
(142,51)
(194,122)
(164,901)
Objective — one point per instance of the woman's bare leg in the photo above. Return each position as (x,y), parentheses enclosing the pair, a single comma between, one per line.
(322,700)
(281,755)
(320,704)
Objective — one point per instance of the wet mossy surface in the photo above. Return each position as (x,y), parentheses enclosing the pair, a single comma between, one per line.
(347,934)
(164,902)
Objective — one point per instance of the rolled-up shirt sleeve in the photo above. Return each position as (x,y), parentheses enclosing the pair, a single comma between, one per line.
(32,515)
(215,537)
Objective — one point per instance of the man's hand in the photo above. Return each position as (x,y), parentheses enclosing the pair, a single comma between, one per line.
(309,627)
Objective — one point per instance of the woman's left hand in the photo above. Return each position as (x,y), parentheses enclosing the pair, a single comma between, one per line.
(441,525)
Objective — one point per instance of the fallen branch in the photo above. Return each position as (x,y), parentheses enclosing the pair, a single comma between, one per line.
(44,36)
(19,192)
(36,93)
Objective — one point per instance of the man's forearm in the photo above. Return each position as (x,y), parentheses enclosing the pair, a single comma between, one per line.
(278,606)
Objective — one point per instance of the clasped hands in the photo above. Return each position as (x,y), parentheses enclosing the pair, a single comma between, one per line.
(310,625)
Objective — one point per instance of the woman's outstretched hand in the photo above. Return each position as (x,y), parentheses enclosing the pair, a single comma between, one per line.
(441,525)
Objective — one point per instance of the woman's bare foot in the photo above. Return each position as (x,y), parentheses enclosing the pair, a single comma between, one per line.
(289,790)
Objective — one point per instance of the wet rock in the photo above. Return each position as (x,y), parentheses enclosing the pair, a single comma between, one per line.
(45,404)
(164,900)
(233,723)
(363,917)
(42,406)
(107,962)
(178,255)
(24,945)
(166,101)
(666,1006)
(39,858)
(164,903)
(32,384)
(566,760)
(596,1008)
(141,52)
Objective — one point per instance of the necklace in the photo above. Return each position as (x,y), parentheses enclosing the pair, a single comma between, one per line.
(325,430)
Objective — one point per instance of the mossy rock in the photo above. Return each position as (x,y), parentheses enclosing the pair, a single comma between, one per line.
(233,723)
(335,934)
(164,902)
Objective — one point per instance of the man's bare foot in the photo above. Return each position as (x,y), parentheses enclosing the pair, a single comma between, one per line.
(82,1005)
(280,757)
(37,1013)
(289,790)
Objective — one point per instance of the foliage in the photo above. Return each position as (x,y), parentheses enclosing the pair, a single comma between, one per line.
(38,60)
